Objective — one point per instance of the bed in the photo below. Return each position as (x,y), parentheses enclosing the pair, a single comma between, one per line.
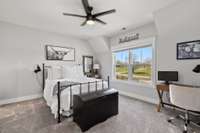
(60,83)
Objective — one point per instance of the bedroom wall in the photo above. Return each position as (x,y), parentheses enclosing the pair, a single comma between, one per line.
(143,92)
(21,49)
(173,24)
(178,23)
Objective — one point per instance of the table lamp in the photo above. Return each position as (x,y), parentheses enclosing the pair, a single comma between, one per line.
(96,67)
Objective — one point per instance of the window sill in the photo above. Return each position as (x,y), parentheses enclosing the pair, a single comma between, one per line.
(134,83)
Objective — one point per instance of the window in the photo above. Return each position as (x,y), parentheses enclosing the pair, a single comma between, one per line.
(121,64)
(141,64)
(134,64)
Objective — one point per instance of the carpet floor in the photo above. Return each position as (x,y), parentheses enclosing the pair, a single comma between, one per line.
(134,117)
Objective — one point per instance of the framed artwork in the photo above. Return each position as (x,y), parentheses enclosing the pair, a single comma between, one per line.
(188,50)
(60,53)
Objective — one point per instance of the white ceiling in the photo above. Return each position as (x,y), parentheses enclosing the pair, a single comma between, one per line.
(47,15)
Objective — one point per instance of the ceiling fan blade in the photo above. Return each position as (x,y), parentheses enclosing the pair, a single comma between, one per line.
(74,15)
(104,13)
(86,6)
(84,23)
(100,21)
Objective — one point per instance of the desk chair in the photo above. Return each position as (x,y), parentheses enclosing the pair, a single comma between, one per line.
(187,98)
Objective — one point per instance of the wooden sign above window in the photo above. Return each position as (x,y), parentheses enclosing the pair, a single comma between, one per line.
(129,38)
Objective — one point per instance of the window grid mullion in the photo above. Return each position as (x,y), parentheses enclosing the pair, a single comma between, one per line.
(130,66)
(132,61)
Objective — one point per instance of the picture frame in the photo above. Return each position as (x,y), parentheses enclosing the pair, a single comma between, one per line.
(188,50)
(59,53)
(87,64)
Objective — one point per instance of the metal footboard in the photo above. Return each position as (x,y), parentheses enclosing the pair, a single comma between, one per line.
(80,92)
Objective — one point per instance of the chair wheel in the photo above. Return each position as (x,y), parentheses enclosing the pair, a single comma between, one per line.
(184,131)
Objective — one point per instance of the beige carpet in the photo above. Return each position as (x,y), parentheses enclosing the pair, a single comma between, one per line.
(134,117)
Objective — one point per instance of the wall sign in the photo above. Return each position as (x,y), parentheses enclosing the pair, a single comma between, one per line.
(129,38)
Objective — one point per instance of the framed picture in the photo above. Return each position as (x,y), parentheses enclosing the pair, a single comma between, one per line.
(60,53)
(188,50)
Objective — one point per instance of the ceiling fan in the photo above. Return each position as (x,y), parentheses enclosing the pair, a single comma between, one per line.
(90,18)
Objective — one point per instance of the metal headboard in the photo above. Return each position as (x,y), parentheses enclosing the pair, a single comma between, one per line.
(45,73)
(43,76)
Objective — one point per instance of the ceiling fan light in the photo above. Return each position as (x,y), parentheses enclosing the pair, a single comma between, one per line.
(90,22)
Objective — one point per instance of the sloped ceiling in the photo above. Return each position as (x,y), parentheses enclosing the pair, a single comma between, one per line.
(47,15)
(99,44)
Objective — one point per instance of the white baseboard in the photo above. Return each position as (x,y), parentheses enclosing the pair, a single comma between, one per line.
(129,94)
(20,99)
(136,96)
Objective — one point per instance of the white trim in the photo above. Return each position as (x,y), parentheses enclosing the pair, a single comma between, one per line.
(132,82)
(133,44)
(20,99)
(136,96)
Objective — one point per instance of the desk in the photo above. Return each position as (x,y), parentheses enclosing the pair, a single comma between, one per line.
(161,88)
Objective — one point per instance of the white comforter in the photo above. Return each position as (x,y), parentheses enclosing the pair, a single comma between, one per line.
(52,100)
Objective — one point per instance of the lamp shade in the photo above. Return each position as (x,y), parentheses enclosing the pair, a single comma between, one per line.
(196,69)
(96,66)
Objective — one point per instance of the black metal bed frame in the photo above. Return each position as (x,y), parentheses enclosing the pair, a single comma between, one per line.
(71,93)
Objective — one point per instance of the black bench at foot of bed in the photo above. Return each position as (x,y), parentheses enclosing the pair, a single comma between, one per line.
(93,108)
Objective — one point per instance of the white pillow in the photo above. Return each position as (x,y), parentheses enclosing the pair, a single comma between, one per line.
(68,72)
(57,72)
(54,72)
(49,74)
(73,72)
(79,71)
